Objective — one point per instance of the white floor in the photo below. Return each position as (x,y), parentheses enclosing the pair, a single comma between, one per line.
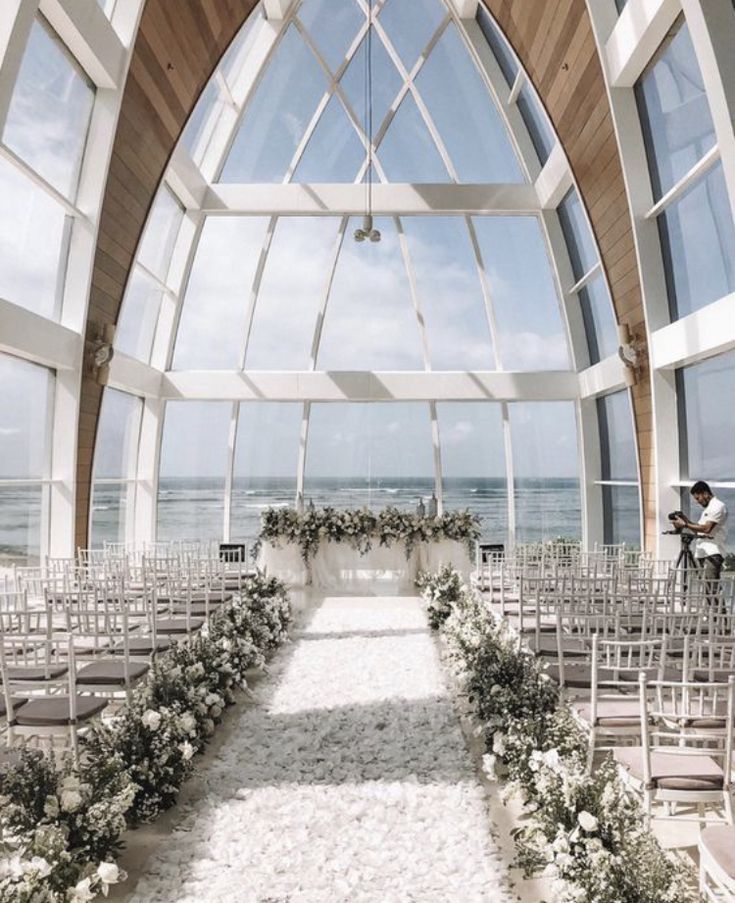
(348,780)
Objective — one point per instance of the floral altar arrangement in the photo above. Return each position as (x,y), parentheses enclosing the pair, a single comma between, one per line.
(60,828)
(361,528)
(586,831)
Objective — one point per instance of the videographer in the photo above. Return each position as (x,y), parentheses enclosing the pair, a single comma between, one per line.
(711,531)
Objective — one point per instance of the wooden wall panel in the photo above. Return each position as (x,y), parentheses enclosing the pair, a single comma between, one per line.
(176,50)
(555,42)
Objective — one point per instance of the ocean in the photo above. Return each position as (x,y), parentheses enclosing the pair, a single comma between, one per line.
(193,508)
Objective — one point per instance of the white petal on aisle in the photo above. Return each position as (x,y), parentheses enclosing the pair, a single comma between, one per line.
(349,781)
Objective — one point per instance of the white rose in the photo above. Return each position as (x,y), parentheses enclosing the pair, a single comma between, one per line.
(152,720)
(212,699)
(108,873)
(187,751)
(41,866)
(51,807)
(188,722)
(488,766)
(83,892)
(71,800)
(587,821)
(215,711)
(552,759)
(499,744)
(226,644)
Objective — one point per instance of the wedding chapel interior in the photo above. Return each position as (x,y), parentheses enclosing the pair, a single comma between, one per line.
(366,445)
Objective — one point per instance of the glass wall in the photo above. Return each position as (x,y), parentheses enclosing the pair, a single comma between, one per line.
(115,460)
(707,430)
(266,462)
(45,134)
(545,470)
(25,458)
(696,222)
(192,475)
(473,463)
(372,454)
(620,499)
(594,297)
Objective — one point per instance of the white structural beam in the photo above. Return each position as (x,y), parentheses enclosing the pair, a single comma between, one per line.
(639,31)
(603,378)
(131,375)
(554,180)
(465,9)
(701,334)
(87,32)
(277,9)
(388,200)
(37,338)
(372,386)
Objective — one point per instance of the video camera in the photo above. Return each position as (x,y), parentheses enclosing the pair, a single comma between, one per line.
(678,531)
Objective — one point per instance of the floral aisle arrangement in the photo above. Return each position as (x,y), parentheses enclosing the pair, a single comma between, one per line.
(585,831)
(361,528)
(60,828)
(441,591)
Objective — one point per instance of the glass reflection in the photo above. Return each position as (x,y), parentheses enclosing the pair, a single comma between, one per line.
(117,435)
(408,152)
(410,25)
(136,326)
(617,437)
(599,322)
(24,419)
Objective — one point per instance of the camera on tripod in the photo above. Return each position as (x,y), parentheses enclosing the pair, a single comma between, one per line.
(686,537)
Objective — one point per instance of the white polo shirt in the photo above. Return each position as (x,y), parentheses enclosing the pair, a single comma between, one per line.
(714,544)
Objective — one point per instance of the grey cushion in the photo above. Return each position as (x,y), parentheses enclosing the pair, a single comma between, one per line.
(141,645)
(15,702)
(110,672)
(612,713)
(178,625)
(36,672)
(53,711)
(672,771)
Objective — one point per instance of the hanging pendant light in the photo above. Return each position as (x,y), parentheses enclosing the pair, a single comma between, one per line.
(368,231)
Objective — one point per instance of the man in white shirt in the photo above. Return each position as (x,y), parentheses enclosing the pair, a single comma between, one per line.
(711,531)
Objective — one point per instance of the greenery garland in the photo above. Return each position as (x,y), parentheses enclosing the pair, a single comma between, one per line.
(361,527)
(584,831)
(60,828)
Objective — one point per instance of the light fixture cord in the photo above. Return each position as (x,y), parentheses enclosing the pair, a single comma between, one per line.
(369,104)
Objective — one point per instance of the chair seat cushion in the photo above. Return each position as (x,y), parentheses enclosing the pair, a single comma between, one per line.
(141,645)
(36,672)
(214,596)
(178,625)
(719,842)
(612,713)
(719,675)
(110,672)
(53,711)
(15,701)
(546,645)
(672,771)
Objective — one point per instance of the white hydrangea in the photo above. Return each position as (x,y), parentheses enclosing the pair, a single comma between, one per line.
(152,719)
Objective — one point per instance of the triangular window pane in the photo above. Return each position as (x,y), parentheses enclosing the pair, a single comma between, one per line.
(334,152)
(449,292)
(333,26)
(292,293)
(408,152)
(370,322)
(386,82)
(278,115)
(410,25)
(465,114)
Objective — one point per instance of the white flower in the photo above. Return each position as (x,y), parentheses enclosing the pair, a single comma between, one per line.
(212,699)
(587,821)
(70,782)
(71,800)
(188,723)
(187,751)
(488,766)
(552,759)
(82,893)
(499,744)
(51,807)
(152,719)
(109,873)
(216,711)
(41,866)
(495,689)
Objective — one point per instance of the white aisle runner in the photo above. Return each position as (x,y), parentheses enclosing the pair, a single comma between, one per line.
(348,781)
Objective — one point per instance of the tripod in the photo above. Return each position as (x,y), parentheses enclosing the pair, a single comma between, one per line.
(686,562)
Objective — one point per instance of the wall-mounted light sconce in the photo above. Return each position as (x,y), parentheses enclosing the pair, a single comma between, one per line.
(630,353)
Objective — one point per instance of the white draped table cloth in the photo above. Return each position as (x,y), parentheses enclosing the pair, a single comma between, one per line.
(337,565)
